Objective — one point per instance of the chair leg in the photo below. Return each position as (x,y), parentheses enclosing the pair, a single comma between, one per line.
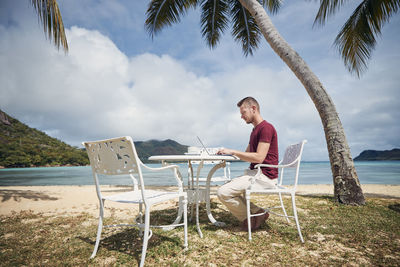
(185,223)
(146,235)
(283,208)
(99,229)
(141,219)
(180,211)
(296,218)
(248,215)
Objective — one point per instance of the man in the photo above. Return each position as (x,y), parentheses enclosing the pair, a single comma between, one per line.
(262,148)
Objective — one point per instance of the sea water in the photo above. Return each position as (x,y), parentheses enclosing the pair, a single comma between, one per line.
(369,172)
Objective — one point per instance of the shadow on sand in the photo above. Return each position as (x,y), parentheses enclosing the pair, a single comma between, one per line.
(18,195)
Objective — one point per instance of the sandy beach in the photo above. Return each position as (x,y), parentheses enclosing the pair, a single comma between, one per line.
(56,200)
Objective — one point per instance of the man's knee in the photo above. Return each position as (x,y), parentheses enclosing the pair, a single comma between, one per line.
(222,193)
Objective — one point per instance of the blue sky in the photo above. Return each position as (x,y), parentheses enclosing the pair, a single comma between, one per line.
(116,80)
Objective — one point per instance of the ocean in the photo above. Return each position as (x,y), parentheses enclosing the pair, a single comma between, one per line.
(369,172)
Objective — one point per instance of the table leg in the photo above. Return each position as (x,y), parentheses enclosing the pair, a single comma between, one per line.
(197,198)
(210,174)
(190,175)
(190,186)
(195,186)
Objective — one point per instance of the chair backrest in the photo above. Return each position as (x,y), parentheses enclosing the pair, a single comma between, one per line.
(293,154)
(115,156)
(292,159)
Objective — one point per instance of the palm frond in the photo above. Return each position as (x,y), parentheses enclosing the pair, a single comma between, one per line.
(357,38)
(161,13)
(245,29)
(53,26)
(273,6)
(326,9)
(214,20)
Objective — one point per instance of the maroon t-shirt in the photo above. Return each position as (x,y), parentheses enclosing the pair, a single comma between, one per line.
(265,132)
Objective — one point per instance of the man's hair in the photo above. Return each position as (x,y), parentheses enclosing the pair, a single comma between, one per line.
(249,101)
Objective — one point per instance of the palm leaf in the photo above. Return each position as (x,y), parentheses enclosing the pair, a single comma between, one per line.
(272,5)
(50,16)
(214,20)
(245,29)
(357,38)
(326,9)
(161,13)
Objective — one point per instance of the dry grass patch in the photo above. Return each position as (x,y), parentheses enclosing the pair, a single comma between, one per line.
(334,235)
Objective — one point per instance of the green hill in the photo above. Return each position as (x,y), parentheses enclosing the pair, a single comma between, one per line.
(22,146)
(393,154)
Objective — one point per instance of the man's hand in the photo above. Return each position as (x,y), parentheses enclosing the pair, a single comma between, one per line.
(225,151)
(253,157)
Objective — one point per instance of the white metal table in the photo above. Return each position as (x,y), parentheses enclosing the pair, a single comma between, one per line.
(194,193)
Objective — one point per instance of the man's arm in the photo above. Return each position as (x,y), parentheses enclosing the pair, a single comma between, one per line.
(253,157)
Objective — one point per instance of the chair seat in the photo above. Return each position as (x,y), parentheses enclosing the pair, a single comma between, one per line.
(153,196)
(256,188)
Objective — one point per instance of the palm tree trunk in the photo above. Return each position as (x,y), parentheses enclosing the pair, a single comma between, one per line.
(347,187)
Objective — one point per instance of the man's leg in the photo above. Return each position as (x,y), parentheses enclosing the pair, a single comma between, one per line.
(232,195)
(257,221)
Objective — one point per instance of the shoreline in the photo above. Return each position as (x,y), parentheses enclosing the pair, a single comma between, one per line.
(75,199)
(45,166)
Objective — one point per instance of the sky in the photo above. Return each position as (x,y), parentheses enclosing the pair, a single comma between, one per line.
(117,80)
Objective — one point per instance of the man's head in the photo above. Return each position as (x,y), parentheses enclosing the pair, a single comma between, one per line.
(249,109)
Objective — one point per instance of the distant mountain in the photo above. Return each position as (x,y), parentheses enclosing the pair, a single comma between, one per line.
(393,154)
(156,147)
(22,146)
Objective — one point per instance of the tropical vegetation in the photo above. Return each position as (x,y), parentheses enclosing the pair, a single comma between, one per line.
(50,16)
(357,38)
(22,146)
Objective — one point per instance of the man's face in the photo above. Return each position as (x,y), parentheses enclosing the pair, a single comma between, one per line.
(247,113)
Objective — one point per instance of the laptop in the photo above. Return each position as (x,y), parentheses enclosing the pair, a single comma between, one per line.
(212,153)
(202,144)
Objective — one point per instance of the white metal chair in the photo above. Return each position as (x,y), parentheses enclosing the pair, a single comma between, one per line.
(117,156)
(291,159)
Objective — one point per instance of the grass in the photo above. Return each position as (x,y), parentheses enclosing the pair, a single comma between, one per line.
(334,235)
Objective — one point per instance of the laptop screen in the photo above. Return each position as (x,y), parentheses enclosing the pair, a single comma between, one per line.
(203,145)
